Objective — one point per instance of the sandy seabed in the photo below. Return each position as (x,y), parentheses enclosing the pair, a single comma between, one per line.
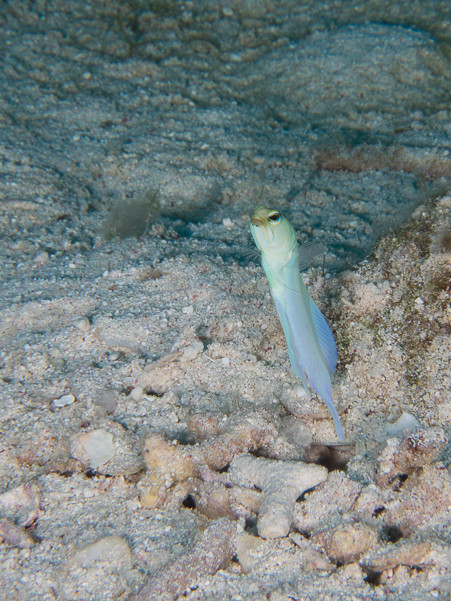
(155,443)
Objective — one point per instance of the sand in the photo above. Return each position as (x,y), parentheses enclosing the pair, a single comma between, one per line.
(136,141)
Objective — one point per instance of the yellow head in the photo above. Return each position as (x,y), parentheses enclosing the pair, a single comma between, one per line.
(272,232)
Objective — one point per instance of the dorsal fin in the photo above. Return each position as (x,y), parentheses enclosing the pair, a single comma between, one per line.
(323,333)
(308,251)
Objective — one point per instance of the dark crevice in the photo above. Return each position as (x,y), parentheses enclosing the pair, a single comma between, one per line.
(189,502)
(378,511)
(398,482)
(332,457)
(303,496)
(391,534)
(151,392)
(372,577)
(65,474)
(93,474)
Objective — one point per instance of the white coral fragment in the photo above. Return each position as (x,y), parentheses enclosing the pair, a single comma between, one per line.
(281,482)
(99,446)
(404,425)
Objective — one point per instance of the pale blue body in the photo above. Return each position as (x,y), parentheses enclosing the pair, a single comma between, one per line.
(311,345)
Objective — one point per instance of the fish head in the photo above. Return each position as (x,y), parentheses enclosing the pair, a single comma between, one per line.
(272,232)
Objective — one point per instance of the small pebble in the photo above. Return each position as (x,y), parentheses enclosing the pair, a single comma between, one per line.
(107,402)
(41,258)
(57,362)
(112,549)
(82,323)
(190,352)
(136,393)
(67,399)
(99,446)
(406,424)
(188,310)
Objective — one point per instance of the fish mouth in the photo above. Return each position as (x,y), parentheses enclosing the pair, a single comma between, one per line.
(257,221)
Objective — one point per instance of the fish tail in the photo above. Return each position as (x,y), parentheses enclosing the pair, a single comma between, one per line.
(326,395)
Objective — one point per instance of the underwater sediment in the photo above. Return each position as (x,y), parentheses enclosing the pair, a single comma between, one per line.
(154,439)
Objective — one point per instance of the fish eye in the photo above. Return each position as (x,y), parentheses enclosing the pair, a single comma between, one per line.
(275,217)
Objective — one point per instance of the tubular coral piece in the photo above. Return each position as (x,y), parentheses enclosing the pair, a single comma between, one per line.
(213,551)
(281,482)
(246,433)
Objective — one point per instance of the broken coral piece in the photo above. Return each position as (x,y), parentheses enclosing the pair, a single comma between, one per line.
(246,432)
(215,499)
(99,447)
(412,553)
(15,536)
(336,495)
(168,465)
(22,504)
(347,542)
(112,549)
(212,552)
(403,456)
(281,482)
(422,503)
(173,462)
(312,558)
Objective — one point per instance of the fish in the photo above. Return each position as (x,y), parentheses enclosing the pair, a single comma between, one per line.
(311,345)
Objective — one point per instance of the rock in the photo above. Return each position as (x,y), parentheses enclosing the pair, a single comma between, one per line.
(192,351)
(212,552)
(44,444)
(99,446)
(67,399)
(336,495)
(415,450)
(161,374)
(112,549)
(205,425)
(110,450)
(21,505)
(347,542)
(408,553)
(41,258)
(312,559)
(212,499)
(82,323)
(423,501)
(404,425)
(15,536)
(372,500)
(136,393)
(106,403)
(245,544)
